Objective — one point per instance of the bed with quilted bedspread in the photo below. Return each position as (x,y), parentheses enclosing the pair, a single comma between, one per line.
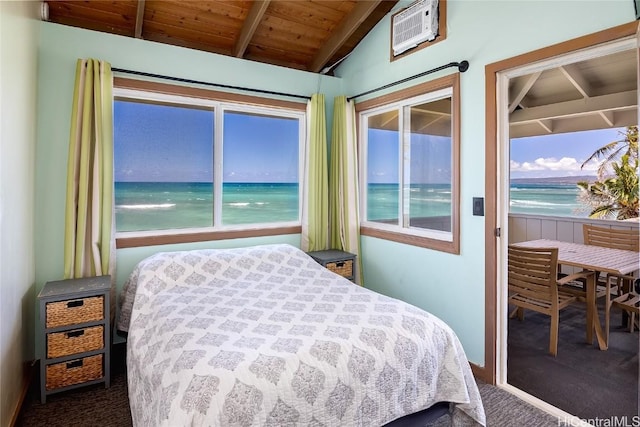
(264,335)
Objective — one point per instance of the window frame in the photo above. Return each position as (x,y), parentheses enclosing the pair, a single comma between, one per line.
(219,102)
(408,235)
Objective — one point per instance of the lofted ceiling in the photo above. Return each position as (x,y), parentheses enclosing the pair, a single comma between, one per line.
(597,93)
(310,35)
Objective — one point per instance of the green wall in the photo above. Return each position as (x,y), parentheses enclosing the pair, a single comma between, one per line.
(482,32)
(59,48)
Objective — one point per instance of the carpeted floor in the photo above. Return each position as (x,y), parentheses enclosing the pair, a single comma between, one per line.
(96,406)
(581,379)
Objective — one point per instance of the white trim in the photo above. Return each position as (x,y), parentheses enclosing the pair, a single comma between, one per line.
(604,49)
(563,418)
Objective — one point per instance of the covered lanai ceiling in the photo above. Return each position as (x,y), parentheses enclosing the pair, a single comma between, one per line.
(594,94)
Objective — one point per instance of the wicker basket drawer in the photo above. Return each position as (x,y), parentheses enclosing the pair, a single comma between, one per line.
(73,312)
(343,268)
(74,372)
(75,341)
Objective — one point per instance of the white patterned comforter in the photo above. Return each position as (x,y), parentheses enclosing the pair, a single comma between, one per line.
(266,336)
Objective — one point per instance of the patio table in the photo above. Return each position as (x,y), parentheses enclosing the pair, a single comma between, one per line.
(593,258)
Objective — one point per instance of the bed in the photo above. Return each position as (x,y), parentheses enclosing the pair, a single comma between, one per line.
(264,335)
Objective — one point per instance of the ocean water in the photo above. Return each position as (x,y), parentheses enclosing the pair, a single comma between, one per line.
(159,206)
(547,199)
(426,200)
(155,206)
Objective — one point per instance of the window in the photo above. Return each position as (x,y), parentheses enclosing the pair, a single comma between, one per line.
(187,165)
(409,163)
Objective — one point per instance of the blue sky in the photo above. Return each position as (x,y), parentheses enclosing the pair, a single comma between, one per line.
(558,155)
(430,161)
(159,143)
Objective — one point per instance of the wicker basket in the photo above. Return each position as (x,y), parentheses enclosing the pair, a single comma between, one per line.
(74,372)
(73,312)
(75,341)
(343,268)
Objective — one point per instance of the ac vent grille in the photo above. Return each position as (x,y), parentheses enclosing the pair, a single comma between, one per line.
(416,24)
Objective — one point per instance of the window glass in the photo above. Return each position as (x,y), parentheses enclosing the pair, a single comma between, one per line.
(163,171)
(428,188)
(260,168)
(383,153)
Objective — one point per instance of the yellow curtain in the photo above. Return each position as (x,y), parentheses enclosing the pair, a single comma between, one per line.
(343,182)
(315,217)
(89,203)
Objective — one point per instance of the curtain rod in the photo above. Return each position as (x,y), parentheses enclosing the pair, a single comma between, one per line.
(179,79)
(462,67)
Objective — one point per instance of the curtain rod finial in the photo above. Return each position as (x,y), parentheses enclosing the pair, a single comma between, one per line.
(463,66)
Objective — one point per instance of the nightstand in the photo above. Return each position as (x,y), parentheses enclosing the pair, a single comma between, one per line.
(75,326)
(340,262)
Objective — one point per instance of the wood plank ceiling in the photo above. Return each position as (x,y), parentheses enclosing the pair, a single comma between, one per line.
(310,35)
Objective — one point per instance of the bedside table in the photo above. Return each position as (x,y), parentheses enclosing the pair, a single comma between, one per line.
(340,262)
(75,325)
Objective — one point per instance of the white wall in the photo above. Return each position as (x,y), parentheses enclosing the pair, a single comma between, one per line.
(482,32)
(18,76)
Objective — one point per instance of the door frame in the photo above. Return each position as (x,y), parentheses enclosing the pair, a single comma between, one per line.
(494,129)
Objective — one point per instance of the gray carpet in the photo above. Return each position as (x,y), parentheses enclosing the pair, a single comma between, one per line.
(581,379)
(97,406)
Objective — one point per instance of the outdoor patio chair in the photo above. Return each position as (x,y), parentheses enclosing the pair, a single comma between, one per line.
(533,285)
(630,303)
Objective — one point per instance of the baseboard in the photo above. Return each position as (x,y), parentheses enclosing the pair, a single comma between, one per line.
(482,373)
(28,372)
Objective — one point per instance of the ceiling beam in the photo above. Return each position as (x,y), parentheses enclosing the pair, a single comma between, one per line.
(139,19)
(258,8)
(579,107)
(341,34)
(608,118)
(547,125)
(520,90)
(574,75)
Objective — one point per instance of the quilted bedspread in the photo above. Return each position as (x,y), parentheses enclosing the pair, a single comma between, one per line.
(264,335)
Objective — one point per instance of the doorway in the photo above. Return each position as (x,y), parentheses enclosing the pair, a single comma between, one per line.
(527,70)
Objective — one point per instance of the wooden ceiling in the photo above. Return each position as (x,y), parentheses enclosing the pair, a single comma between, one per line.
(310,35)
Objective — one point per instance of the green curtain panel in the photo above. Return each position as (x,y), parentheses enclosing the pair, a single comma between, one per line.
(89,203)
(315,213)
(343,182)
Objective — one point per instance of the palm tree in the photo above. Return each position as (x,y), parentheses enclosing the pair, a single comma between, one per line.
(614,150)
(615,195)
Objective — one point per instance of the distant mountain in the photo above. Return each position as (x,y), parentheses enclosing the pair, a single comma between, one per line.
(555,180)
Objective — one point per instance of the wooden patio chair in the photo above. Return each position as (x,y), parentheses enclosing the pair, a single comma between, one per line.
(628,240)
(630,303)
(533,285)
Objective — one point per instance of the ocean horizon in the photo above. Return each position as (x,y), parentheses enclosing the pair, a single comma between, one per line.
(143,206)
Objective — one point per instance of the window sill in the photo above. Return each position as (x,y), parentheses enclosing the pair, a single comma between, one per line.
(134,240)
(452,247)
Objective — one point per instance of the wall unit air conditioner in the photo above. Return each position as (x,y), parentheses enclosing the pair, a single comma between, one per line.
(414,25)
